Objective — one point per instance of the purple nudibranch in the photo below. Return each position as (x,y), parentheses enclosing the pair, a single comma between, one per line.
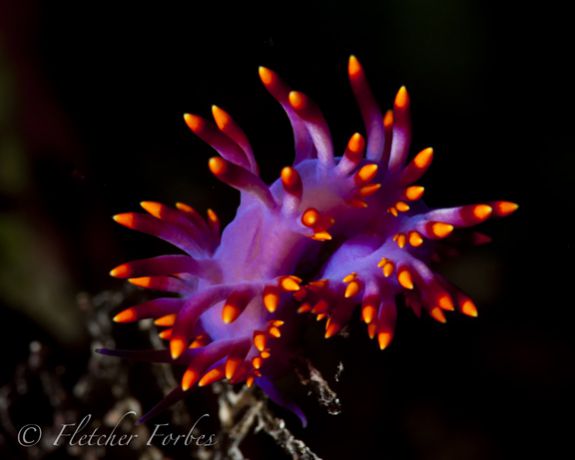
(360,214)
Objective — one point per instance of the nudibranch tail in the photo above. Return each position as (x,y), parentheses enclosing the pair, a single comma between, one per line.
(361,214)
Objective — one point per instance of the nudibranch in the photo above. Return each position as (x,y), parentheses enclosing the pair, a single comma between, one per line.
(334,234)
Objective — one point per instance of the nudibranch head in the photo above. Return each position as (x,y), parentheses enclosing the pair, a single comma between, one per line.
(332,235)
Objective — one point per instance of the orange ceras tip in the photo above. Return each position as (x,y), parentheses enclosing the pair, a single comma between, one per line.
(198,342)
(185,208)
(126,316)
(401,206)
(310,217)
(404,278)
(271,300)
(259,340)
(383,339)
(194,122)
(250,381)
(320,307)
(445,302)
(415,239)
(321,236)
(388,269)
(368,313)
(166,335)
(366,173)
(218,166)
(504,208)
(388,119)
(257,362)
(189,378)
(166,321)
(353,67)
(437,314)
(401,240)
(331,329)
(423,158)
(482,211)
(212,216)
(441,229)
(142,281)
(319,284)
(121,271)
(304,308)
(221,117)
(356,144)
(350,277)
(297,100)
(468,308)
(414,192)
(265,354)
(352,289)
(290,179)
(155,209)
(177,347)
(402,98)
(290,283)
(230,312)
(275,332)
(126,219)
(211,376)
(371,330)
(232,365)
(368,190)
(266,75)
(356,203)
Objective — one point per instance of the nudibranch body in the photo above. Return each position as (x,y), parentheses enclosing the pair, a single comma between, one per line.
(331,235)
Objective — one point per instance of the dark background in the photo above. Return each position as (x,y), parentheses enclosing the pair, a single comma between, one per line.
(91,99)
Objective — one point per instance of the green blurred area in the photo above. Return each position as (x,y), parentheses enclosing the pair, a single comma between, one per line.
(33,279)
